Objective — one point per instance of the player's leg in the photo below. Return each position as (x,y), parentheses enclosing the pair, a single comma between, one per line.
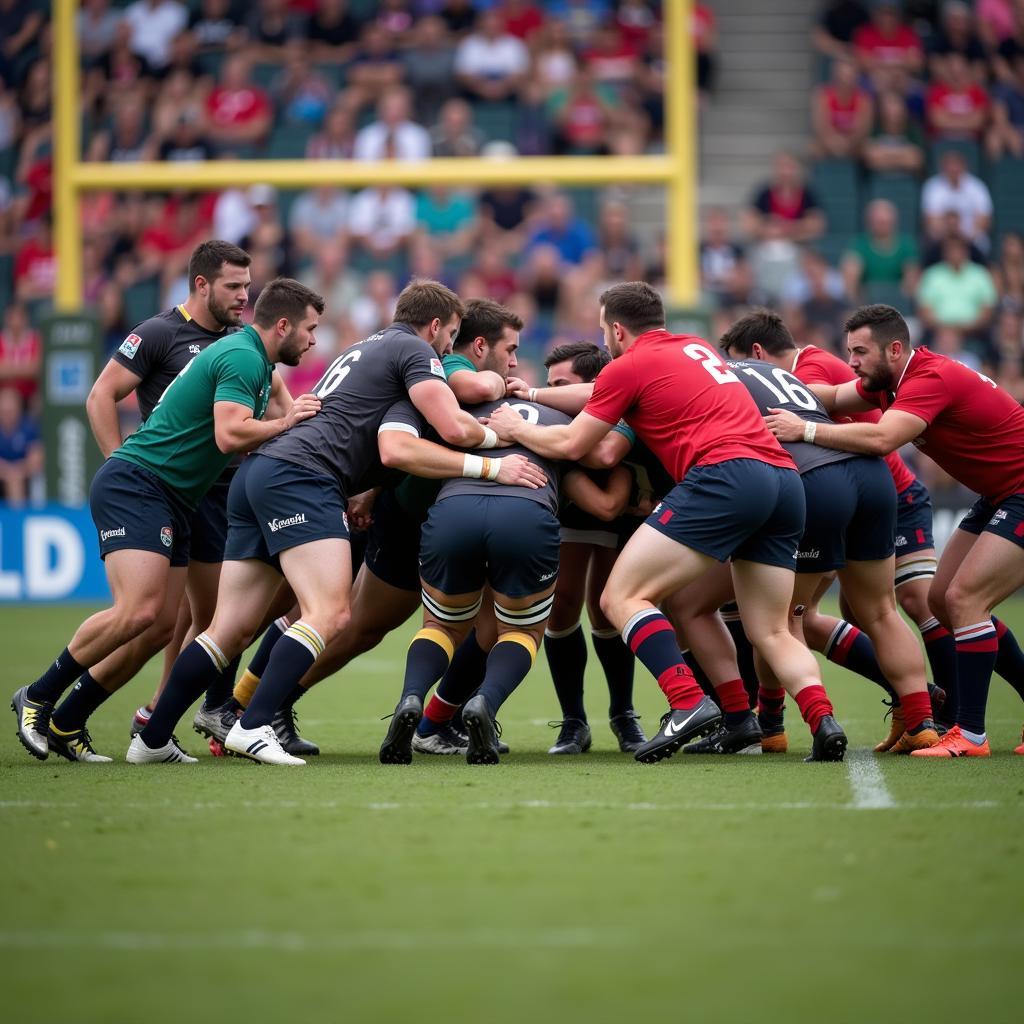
(183,623)
(282,613)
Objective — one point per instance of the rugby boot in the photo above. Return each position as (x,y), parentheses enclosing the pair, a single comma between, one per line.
(1020,749)
(483,732)
(626,728)
(773,733)
(169,753)
(829,741)
(573,737)
(397,745)
(678,726)
(444,740)
(955,744)
(75,745)
(897,728)
(459,726)
(925,735)
(286,726)
(938,699)
(259,744)
(729,741)
(33,723)
(215,723)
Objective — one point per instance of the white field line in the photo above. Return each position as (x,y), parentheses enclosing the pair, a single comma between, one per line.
(870,793)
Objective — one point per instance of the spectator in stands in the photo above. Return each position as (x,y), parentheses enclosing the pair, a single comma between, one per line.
(953,189)
(1008,343)
(376,66)
(374,309)
(542,277)
(332,33)
(887,41)
(490,64)
(611,59)
(582,17)
(956,107)
(127,141)
(21,450)
(554,63)
(382,220)
(301,93)
(35,97)
(882,257)
(454,134)
(96,26)
(214,27)
(267,234)
(459,16)
(521,18)
(10,117)
(186,142)
(650,81)
(582,116)
(957,292)
(896,143)
(35,266)
(318,216)
(720,256)
(558,226)
(952,343)
(1006,133)
(337,140)
(165,247)
(617,245)
(504,210)
(331,276)
(425,261)
(785,207)
(393,129)
(948,227)
(1008,273)
(154,25)
(816,288)
(841,113)
(397,19)
(1011,48)
(21,353)
(238,112)
(429,67)
(234,213)
(956,34)
(705,40)
(447,217)
(995,22)
(271,25)
(497,277)
(833,34)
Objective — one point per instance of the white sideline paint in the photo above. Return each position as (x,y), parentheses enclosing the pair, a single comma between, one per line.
(870,793)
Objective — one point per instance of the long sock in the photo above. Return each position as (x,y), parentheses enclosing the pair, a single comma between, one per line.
(940,646)
(814,705)
(429,655)
(197,667)
(246,686)
(744,649)
(220,692)
(733,700)
(508,664)
(977,648)
(917,708)
(618,663)
(56,679)
(437,712)
(292,657)
(771,701)
(691,662)
(465,673)
(652,639)
(1010,660)
(298,692)
(85,697)
(566,651)
(849,647)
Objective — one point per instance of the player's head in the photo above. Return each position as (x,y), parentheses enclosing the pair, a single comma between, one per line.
(290,312)
(576,362)
(627,310)
(218,274)
(489,336)
(878,340)
(433,311)
(759,334)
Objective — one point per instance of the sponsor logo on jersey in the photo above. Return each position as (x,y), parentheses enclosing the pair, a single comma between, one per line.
(130,346)
(105,535)
(166,536)
(436,368)
(281,524)
(194,349)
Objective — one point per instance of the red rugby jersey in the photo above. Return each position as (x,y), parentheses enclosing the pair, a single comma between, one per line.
(684,403)
(814,365)
(975,429)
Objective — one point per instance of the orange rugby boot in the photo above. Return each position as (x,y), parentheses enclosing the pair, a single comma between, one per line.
(922,737)
(955,744)
(897,728)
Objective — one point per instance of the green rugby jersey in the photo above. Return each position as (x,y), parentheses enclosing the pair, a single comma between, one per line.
(177,443)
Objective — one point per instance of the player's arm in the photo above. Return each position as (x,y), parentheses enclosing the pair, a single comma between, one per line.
(892,431)
(474,387)
(840,399)
(400,448)
(606,503)
(280,398)
(237,430)
(609,451)
(569,398)
(440,408)
(571,441)
(115,383)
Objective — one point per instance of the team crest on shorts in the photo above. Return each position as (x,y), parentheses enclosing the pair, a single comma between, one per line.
(166,536)
(130,346)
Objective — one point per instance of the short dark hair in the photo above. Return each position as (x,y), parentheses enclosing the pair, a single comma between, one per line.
(762,326)
(209,257)
(635,305)
(285,298)
(886,323)
(588,359)
(421,301)
(487,319)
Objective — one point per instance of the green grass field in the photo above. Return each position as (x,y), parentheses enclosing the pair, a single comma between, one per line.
(542,889)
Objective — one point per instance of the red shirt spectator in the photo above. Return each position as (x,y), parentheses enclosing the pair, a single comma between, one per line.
(962,102)
(35,268)
(521,18)
(887,42)
(237,110)
(956,105)
(39,181)
(21,352)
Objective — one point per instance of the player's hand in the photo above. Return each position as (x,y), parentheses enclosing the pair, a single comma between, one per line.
(786,426)
(360,509)
(505,422)
(302,408)
(516,387)
(519,470)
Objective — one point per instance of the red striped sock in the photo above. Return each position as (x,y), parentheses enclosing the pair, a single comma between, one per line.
(814,705)
(680,688)
(917,708)
(440,711)
(770,702)
(732,696)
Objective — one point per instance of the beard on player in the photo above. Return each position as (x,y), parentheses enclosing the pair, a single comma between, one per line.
(292,348)
(881,378)
(224,315)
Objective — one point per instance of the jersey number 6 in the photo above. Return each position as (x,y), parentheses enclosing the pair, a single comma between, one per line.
(336,373)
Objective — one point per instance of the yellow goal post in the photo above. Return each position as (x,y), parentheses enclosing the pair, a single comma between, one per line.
(676,169)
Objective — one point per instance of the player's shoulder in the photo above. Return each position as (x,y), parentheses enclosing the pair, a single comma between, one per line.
(154,332)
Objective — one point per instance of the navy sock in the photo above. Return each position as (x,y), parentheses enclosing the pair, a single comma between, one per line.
(508,664)
(292,657)
(851,648)
(698,673)
(1010,659)
(197,667)
(940,647)
(976,651)
(56,679)
(744,650)
(220,692)
(653,640)
(566,652)
(74,711)
(429,655)
(261,658)
(465,673)
(618,663)
(296,695)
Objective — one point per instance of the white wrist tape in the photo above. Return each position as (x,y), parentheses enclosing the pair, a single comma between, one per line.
(810,429)
(478,467)
(490,439)
(532,394)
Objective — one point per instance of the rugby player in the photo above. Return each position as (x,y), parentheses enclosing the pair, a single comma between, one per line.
(975,431)
(143,496)
(738,497)
(764,336)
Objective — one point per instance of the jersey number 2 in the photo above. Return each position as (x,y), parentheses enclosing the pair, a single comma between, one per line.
(703,355)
